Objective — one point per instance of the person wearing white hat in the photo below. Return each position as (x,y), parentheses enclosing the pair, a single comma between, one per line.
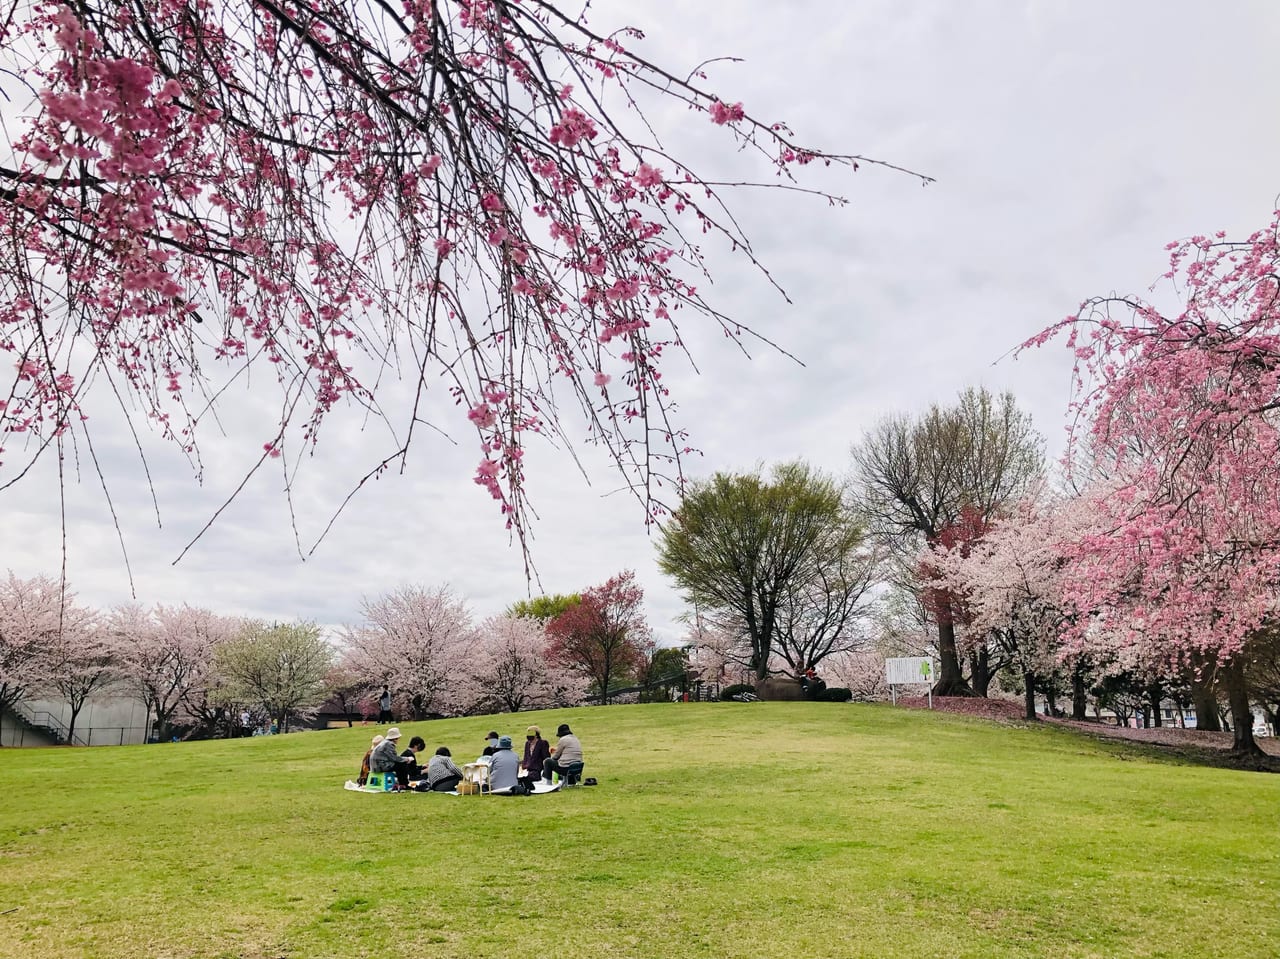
(385,758)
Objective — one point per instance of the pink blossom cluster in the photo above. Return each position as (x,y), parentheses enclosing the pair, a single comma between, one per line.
(208,190)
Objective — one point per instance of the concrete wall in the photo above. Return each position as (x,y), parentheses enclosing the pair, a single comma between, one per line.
(13,733)
(104,721)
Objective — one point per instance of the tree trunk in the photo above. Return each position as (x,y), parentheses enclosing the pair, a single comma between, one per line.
(951,680)
(980,671)
(1206,706)
(1029,680)
(1243,743)
(1079,696)
(71,726)
(1203,695)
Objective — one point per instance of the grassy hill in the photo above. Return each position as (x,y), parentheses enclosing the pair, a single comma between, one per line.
(743,830)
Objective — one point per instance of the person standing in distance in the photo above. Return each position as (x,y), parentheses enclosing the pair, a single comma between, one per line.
(384,706)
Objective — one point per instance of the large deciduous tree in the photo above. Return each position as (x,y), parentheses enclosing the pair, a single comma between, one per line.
(1009,582)
(463,193)
(919,475)
(85,661)
(166,654)
(508,669)
(415,641)
(603,637)
(30,622)
(748,550)
(282,668)
(1180,409)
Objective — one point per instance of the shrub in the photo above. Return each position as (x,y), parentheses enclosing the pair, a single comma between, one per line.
(737,689)
(836,694)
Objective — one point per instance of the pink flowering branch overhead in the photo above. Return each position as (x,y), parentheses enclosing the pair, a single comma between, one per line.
(344,193)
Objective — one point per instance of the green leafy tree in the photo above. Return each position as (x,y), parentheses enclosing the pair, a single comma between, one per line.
(663,664)
(284,667)
(544,608)
(741,546)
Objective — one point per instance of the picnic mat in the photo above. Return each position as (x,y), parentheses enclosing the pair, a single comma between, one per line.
(539,789)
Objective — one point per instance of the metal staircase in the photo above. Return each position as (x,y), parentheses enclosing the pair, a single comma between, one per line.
(46,724)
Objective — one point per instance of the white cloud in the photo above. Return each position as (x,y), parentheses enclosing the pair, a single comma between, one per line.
(1069,140)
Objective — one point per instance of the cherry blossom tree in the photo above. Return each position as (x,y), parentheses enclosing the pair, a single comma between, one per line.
(1008,581)
(508,669)
(346,689)
(166,654)
(1180,409)
(716,650)
(860,671)
(602,637)
(465,193)
(84,661)
(30,623)
(417,641)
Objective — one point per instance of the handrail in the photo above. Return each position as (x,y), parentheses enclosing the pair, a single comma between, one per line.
(643,687)
(51,723)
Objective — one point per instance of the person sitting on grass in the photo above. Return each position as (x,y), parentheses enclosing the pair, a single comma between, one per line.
(364,763)
(490,745)
(536,751)
(385,759)
(443,775)
(504,768)
(417,746)
(568,750)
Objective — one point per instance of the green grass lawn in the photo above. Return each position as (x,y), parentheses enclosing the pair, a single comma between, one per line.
(718,830)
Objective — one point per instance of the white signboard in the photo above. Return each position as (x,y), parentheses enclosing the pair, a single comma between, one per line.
(909,670)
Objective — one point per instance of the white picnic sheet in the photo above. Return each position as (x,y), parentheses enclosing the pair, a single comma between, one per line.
(539,789)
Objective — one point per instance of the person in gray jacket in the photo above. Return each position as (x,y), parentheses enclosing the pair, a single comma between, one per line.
(568,750)
(504,766)
(385,759)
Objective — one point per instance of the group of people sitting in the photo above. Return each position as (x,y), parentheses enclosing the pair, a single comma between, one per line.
(441,774)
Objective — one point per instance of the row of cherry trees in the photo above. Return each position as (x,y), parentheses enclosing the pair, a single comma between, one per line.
(193,667)
(1159,574)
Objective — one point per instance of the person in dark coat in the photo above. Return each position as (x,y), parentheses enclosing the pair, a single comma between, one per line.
(536,752)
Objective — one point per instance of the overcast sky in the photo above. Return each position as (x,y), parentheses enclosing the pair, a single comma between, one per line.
(1069,140)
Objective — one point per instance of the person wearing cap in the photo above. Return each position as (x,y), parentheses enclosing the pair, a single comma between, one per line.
(490,744)
(568,750)
(385,759)
(504,768)
(536,751)
(364,763)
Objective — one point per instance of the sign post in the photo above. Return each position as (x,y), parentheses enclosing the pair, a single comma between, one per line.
(909,671)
